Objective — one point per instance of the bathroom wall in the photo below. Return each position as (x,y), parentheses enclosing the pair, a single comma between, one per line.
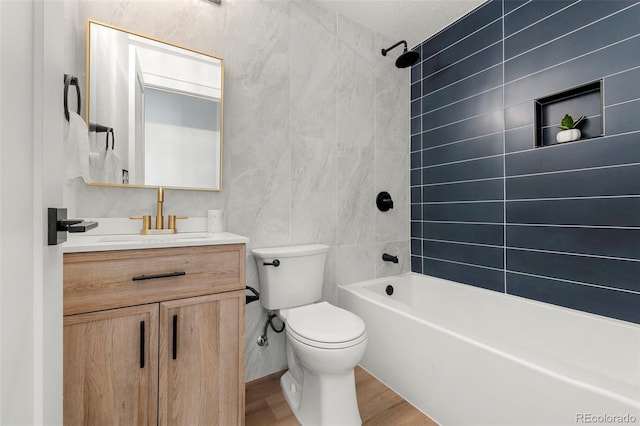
(558,224)
(315,125)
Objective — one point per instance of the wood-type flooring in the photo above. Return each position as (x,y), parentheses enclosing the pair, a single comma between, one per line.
(379,405)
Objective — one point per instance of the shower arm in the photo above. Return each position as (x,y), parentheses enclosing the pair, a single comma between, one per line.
(384,51)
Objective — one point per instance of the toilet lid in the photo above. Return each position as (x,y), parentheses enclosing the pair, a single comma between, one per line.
(323,322)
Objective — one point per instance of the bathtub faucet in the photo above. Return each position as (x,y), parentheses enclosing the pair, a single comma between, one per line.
(389,258)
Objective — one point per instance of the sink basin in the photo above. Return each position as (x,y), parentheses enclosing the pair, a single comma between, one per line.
(140,238)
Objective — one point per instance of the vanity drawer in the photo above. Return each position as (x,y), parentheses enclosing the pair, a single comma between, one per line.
(103,280)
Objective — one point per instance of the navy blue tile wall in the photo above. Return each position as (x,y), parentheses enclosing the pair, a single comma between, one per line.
(558,224)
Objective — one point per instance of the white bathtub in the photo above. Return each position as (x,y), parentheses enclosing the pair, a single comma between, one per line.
(468,356)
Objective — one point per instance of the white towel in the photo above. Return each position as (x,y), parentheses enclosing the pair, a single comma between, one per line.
(112,172)
(96,165)
(76,148)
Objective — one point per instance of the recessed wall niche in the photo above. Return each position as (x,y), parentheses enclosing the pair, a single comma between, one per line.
(578,101)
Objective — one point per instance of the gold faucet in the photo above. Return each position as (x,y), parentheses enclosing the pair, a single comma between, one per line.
(159,229)
(159,215)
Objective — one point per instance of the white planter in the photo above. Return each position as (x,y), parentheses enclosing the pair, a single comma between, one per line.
(568,135)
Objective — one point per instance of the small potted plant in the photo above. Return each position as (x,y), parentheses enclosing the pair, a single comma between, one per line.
(569,129)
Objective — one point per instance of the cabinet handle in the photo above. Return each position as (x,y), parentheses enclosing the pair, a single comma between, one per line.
(142,339)
(154,276)
(175,337)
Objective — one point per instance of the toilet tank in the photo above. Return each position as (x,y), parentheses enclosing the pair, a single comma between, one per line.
(298,278)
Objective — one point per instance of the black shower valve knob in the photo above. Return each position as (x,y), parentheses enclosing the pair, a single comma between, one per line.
(384,201)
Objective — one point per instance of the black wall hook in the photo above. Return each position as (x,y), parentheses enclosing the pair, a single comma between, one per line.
(113,139)
(70,80)
(384,201)
(98,128)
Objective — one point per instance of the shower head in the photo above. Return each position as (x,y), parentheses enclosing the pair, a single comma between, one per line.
(408,57)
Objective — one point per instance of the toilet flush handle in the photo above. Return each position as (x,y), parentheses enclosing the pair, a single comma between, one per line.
(275,263)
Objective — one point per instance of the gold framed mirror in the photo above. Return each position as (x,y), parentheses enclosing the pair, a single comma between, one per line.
(157,106)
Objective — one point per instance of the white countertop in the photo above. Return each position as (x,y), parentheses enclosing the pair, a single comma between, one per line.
(124,234)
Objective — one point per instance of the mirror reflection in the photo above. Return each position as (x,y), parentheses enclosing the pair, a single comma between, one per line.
(155,111)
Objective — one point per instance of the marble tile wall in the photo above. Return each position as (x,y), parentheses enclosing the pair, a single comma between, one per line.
(316,124)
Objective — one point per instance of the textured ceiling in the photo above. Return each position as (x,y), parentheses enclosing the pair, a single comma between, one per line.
(411,20)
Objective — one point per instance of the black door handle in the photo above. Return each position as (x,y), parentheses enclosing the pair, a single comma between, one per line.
(175,337)
(142,339)
(58,225)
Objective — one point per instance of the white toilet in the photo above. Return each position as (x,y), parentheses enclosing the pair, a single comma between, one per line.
(324,342)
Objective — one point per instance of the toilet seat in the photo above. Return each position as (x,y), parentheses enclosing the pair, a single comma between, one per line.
(323,325)
(325,345)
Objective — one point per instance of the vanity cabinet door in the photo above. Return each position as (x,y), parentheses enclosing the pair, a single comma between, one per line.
(111,367)
(202,360)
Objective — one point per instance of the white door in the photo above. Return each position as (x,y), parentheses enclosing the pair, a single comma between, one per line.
(31,173)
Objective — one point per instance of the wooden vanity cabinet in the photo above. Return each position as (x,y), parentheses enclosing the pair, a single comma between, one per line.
(155,360)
